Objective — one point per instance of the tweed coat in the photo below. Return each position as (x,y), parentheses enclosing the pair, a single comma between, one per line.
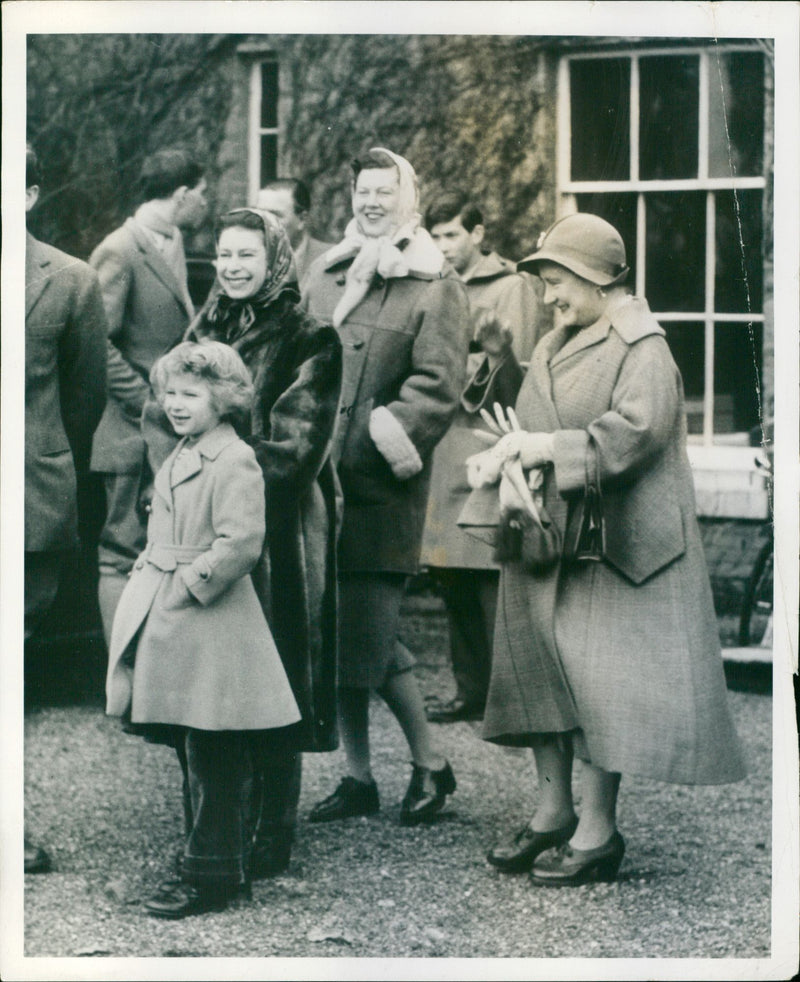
(626,650)
(205,657)
(405,348)
(65,389)
(297,371)
(147,314)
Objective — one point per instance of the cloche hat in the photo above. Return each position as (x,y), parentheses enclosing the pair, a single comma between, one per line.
(587,245)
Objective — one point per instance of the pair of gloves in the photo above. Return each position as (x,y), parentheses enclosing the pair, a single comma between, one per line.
(513,452)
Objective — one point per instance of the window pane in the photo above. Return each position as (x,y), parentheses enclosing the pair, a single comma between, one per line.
(676,232)
(688,346)
(269,94)
(600,119)
(269,158)
(736,99)
(738,279)
(737,369)
(620,210)
(668,117)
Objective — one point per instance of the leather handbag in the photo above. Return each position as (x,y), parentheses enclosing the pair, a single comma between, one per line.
(534,543)
(585,536)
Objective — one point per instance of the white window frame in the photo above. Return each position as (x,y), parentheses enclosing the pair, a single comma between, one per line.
(255,131)
(567,189)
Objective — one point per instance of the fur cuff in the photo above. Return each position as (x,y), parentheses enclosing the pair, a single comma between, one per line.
(394,444)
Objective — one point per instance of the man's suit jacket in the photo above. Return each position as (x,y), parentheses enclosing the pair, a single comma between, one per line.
(147,313)
(65,389)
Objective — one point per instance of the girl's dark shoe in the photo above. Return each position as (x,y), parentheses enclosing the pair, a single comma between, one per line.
(271,853)
(175,899)
(426,794)
(568,867)
(517,855)
(351,798)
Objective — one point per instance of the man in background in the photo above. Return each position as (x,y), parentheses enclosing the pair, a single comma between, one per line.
(289,200)
(65,391)
(142,271)
(507,321)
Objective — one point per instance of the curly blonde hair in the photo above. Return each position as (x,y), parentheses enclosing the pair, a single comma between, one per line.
(216,364)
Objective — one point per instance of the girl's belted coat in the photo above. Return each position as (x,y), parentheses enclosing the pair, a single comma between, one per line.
(189,616)
(296,365)
(625,650)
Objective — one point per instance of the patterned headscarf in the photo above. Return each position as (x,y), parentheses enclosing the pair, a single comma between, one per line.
(385,254)
(239,314)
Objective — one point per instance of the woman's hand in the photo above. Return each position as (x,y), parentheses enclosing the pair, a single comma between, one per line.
(483,469)
(531,449)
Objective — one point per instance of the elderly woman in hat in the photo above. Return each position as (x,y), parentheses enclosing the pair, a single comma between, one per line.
(607,646)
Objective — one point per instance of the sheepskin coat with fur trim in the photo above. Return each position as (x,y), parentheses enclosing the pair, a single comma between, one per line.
(405,349)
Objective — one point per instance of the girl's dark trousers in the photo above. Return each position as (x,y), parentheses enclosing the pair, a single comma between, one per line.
(240,805)
(217,789)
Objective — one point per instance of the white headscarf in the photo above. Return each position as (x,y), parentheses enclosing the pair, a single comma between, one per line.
(408,247)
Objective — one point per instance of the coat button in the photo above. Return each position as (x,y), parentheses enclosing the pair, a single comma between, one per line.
(140,565)
(148,508)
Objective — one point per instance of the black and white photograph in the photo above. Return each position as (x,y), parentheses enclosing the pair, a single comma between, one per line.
(399,490)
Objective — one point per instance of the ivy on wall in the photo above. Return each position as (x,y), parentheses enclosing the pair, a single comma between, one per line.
(470,113)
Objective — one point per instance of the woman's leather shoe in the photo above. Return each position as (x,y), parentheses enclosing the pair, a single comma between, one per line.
(174,900)
(454,711)
(351,798)
(426,793)
(518,854)
(568,867)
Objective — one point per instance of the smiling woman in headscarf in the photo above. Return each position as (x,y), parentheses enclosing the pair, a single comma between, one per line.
(402,316)
(296,366)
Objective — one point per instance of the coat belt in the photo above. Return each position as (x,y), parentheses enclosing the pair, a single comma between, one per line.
(168,557)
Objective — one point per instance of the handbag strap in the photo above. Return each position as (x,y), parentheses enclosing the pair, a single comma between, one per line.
(593,481)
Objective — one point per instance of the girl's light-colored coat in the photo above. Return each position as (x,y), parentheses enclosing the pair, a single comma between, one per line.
(626,649)
(190,644)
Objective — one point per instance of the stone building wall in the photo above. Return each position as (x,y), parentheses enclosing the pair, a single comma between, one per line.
(472,113)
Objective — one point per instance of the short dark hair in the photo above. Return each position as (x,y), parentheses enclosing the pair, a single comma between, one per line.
(167,170)
(453,205)
(301,196)
(239,218)
(371,160)
(33,171)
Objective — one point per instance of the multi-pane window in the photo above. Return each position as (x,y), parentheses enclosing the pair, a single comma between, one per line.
(669,147)
(264,95)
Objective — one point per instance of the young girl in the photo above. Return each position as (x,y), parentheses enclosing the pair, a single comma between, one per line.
(190,647)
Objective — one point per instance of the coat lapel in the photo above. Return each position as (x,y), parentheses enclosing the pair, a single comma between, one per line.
(538,378)
(36,272)
(584,338)
(186,461)
(155,262)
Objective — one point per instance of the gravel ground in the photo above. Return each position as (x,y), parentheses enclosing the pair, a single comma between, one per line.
(695,882)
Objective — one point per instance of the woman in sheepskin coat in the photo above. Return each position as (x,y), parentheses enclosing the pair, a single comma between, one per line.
(403,318)
(296,364)
(616,660)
